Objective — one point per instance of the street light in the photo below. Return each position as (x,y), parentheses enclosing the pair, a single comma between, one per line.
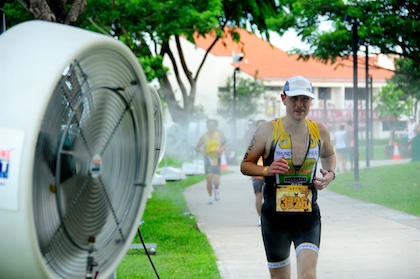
(371,116)
(355,47)
(236,59)
(368,104)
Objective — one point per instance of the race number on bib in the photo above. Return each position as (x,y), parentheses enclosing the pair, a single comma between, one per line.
(293,198)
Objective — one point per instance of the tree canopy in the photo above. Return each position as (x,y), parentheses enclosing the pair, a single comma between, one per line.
(248,92)
(390,25)
(407,79)
(386,26)
(390,105)
(148,26)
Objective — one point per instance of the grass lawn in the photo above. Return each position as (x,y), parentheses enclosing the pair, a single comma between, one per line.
(378,152)
(183,251)
(395,186)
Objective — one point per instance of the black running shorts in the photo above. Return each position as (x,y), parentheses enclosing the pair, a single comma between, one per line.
(279,230)
(209,168)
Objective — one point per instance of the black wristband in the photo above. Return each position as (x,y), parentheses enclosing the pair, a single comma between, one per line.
(332,172)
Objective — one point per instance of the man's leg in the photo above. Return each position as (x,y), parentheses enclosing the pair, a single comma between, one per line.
(258,202)
(209,179)
(280,272)
(306,264)
(216,182)
(307,249)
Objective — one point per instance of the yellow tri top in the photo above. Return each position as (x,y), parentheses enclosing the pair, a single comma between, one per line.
(212,144)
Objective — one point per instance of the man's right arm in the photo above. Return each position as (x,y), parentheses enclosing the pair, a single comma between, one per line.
(254,151)
(198,146)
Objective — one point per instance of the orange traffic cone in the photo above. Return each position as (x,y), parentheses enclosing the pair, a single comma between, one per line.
(223,163)
(396,152)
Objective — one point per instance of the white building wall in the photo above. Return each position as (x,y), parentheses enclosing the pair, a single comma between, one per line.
(215,74)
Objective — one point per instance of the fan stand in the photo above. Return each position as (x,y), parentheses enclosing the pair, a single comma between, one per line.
(150,247)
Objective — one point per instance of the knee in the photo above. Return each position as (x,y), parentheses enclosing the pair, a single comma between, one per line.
(309,274)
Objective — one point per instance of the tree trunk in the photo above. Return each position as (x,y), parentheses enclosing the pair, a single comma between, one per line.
(177,112)
(56,12)
(392,133)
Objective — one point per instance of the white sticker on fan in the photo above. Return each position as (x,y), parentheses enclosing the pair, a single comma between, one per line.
(11,142)
(95,166)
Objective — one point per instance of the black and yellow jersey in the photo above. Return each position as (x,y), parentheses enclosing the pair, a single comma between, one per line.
(281,146)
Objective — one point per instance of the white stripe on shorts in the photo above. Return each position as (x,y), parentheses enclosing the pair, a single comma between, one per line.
(307,246)
(279,264)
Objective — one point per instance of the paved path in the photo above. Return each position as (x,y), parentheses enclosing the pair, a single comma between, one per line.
(359,240)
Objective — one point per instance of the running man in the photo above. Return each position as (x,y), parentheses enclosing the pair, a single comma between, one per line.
(214,143)
(291,147)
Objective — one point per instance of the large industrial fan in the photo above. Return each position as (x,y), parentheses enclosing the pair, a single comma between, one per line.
(160,132)
(77,151)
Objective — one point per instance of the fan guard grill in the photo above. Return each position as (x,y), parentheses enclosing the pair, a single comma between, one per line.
(90,170)
(160,137)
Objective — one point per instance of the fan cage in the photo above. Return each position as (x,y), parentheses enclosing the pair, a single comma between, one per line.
(92,164)
(160,137)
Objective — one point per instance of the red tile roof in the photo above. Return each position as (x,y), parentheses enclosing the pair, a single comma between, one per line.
(274,64)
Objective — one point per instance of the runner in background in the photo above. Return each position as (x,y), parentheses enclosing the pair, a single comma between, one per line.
(211,144)
(340,137)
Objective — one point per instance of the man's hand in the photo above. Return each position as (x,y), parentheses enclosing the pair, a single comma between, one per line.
(278,167)
(322,182)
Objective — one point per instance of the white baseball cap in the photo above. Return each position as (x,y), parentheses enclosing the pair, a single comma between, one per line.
(298,85)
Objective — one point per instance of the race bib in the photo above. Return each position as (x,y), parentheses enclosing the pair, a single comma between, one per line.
(293,198)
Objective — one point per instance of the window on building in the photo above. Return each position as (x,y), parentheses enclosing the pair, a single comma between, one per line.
(398,125)
(324,93)
(273,88)
(348,93)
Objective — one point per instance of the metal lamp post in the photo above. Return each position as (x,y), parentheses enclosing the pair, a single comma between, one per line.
(371,116)
(355,47)
(368,104)
(236,59)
